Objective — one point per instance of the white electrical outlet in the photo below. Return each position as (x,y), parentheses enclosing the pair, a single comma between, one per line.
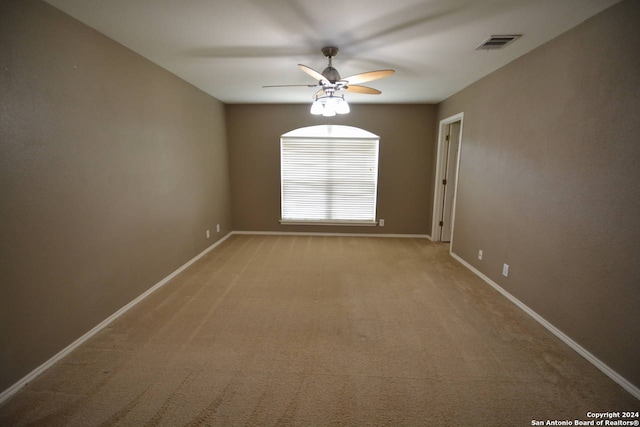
(217,228)
(505,270)
(480,254)
(381,223)
(208,234)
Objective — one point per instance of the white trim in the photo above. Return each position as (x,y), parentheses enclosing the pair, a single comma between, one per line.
(635,391)
(331,178)
(440,159)
(306,233)
(624,383)
(329,222)
(330,131)
(64,352)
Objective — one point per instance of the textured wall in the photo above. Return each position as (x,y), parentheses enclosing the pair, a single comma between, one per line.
(111,170)
(405,184)
(550,182)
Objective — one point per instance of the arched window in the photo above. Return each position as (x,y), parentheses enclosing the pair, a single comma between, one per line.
(329,175)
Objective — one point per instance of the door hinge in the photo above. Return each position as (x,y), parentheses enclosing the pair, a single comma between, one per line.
(441,223)
(446,138)
(444,182)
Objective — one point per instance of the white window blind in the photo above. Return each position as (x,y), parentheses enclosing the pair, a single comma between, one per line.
(329,178)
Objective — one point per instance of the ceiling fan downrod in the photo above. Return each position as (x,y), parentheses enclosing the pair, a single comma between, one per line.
(330,73)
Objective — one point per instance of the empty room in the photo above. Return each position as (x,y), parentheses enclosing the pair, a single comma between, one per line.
(420,212)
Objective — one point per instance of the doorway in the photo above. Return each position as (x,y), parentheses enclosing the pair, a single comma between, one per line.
(448,160)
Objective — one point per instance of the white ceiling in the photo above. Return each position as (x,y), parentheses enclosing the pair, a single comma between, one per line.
(231,48)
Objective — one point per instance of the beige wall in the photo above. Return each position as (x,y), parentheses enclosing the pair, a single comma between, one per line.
(111,170)
(550,182)
(405,169)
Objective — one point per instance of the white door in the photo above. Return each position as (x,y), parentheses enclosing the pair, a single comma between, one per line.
(452,145)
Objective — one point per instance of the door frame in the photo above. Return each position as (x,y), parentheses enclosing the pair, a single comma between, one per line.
(441,158)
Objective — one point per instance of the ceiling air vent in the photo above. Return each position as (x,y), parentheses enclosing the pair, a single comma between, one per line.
(497,42)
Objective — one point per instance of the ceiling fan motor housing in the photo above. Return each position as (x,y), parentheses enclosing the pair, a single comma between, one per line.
(331,74)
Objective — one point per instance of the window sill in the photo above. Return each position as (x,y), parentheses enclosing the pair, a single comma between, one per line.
(329,222)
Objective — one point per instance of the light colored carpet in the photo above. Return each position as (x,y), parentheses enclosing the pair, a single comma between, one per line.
(320,331)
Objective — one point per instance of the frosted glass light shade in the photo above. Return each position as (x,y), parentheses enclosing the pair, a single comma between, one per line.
(316,107)
(343,106)
(329,106)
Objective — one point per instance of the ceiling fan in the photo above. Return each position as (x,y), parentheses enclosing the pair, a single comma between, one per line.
(326,101)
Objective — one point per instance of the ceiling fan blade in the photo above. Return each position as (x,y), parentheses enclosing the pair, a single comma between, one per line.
(362,89)
(291,85)
(319,93)
(368,76)
(313,73)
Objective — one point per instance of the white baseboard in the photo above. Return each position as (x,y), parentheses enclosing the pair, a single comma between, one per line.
(635,391)
(307,233)
(46,365)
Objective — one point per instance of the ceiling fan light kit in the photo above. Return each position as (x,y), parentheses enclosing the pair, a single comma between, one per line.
(330,105)
(326,101)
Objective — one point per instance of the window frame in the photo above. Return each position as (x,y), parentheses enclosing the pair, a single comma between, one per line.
(337,134)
